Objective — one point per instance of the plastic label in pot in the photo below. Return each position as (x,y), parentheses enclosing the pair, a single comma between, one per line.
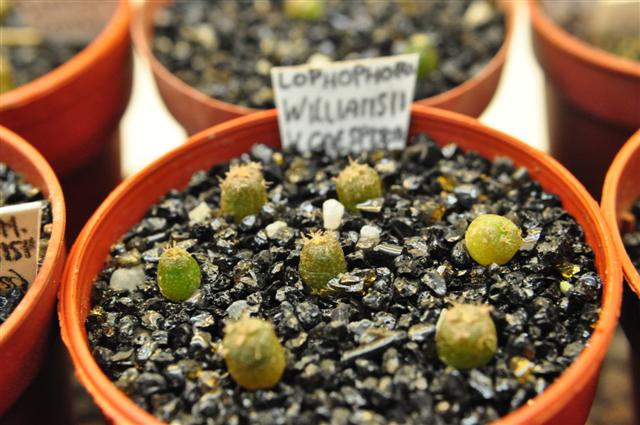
(346,107)
(19,241)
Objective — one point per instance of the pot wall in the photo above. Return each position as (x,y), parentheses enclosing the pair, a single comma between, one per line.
(25,335)
(620,191)
(196,111)
(593,99)
(71,115)
(568,400)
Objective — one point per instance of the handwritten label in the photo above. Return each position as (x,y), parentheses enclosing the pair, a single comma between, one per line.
(19,242)
(345,107)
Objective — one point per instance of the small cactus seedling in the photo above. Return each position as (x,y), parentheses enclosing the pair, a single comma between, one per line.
(309,10)
(357,183)
(178,274)
(243,191)
(6,74)
(254,356)
(321,260)
(423,45)
(492,238)
(466,336)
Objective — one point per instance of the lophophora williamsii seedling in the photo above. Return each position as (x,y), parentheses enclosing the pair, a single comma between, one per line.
(6,74)
(357,183)
(428,58)
(243,191)
(321,259)
(253,353)
(178,274)
(466,336)
(309,10)
(492,238)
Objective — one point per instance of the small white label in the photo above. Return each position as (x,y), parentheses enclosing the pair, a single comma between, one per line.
(19,242)
(346,107)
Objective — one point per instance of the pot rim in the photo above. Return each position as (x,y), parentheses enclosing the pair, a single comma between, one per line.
(143,46)
(56,246)
(578,48)
(609,204)
(538,409)
(69,71)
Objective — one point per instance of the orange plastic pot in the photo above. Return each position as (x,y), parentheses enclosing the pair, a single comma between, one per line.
(196,111)
(620,191)
(71,115)
(593,99)
(68,113)
(566,401)
(24,336)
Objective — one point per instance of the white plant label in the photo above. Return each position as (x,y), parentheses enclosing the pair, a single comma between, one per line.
(346,107)
(19,242)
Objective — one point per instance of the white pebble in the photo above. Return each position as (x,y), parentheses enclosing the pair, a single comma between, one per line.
(273,228)
(478,13)
(369,235)
(127,279)
(332,212)
(200,213)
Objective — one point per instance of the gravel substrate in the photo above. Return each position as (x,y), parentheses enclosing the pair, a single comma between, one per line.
(15,190)
(29,62)
(631,239)
(365,354)
(578,19)
(226,48)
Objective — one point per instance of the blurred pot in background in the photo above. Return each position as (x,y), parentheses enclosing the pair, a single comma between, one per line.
(593,95)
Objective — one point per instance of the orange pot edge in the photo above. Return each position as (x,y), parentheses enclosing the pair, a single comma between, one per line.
(542,409)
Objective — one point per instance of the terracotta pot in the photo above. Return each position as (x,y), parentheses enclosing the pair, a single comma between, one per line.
(71,115)
(24,336)
(196,111)
(593,99)
(567,401)
(620,191)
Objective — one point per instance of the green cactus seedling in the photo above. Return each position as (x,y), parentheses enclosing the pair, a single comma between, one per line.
(357,183)
(254,356)
(178,274)
(309,10)
(492,238)
(243,191)
(428,59)
(321,260)
(6,74)
(466,336)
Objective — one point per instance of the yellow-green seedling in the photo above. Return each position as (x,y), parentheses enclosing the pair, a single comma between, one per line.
(178,274)
(6,74)
(243,191)
(254,355)
(466,336)
(357,183)
(492,238)
(428,58)
(321,259)
(309,10)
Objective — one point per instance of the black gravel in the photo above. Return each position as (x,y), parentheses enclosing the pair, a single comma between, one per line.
(367,353)
(225,48)
(631,239)
(29,62)
(15,190)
